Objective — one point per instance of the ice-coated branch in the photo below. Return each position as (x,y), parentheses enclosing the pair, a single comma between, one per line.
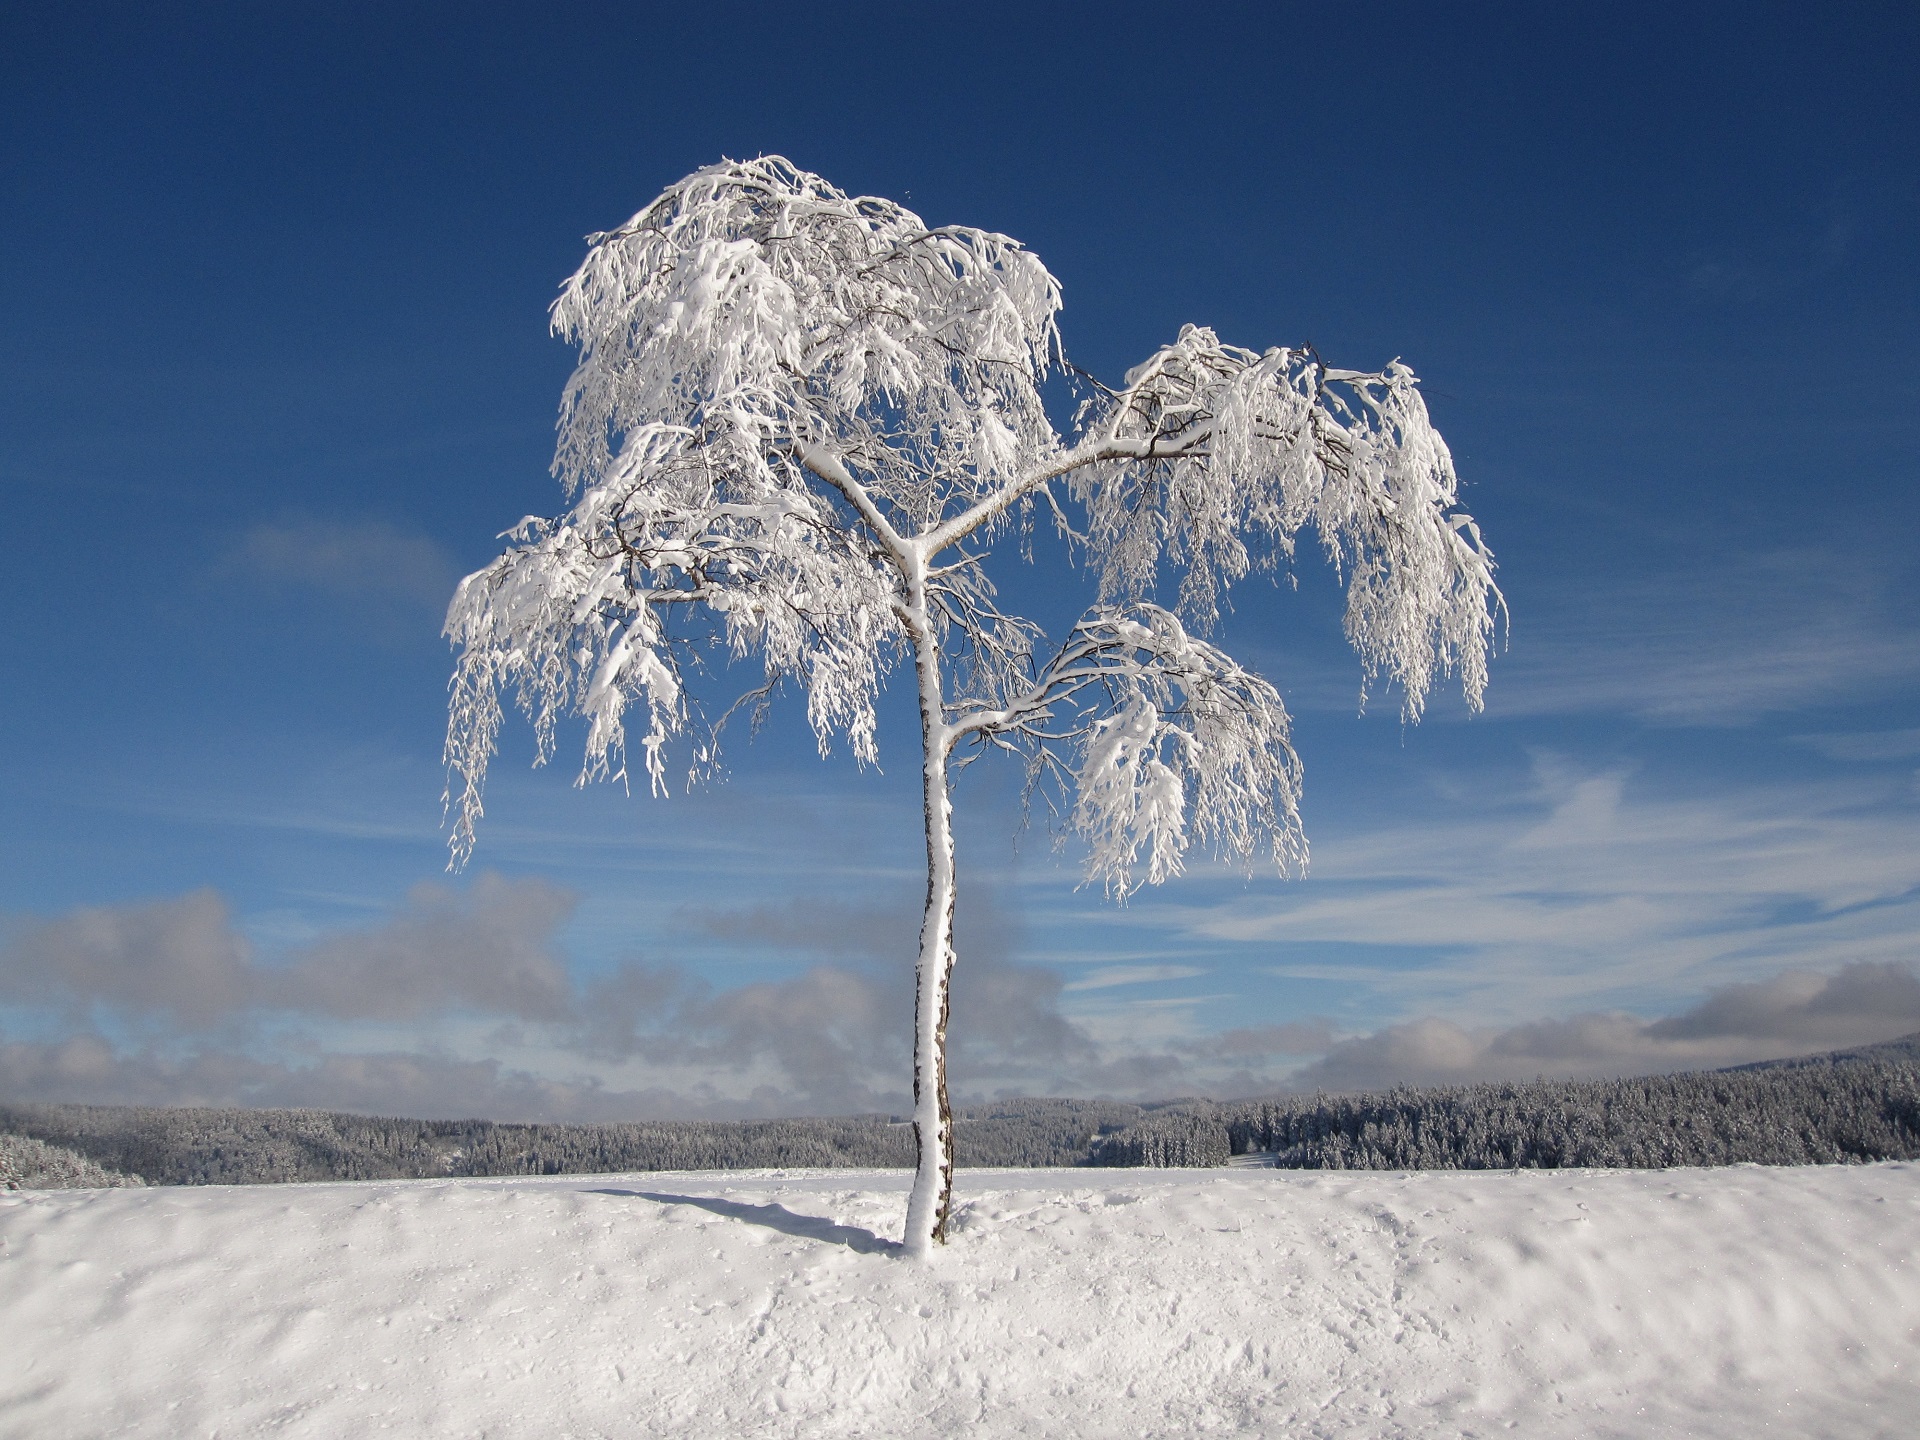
(1160,740)
(1261,446)
(577,615)
(1092,451)
(788,314)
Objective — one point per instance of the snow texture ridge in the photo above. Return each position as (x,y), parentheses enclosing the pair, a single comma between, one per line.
(1572,1303)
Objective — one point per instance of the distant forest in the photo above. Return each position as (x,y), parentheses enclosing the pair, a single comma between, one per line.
(1848,1107)
(202,1146)
(1845,1108)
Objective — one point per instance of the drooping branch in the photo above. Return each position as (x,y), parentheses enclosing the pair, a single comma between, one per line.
(573,616)
(1262,445)
(1161,740)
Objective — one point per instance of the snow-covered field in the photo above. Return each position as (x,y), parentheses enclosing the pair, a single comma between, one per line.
(1730,1303)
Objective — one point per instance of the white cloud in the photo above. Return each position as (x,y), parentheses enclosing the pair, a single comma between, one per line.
(88,1068)
(182,963)
(428,1001)
(1588,888)
(1717,643)
(179,960)
(1795,1013)
(366,561)
(1109,976)
(488,948)
(1596,896)
(1865,745)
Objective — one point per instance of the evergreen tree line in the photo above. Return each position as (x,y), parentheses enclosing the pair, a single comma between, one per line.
(1849,1107)
(29,1164)
(207,1146)
(1845,1108)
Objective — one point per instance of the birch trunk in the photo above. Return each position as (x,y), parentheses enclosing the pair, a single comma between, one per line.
(932,1197)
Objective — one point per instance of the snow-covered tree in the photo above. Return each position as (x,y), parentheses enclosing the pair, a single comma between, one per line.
(799,421)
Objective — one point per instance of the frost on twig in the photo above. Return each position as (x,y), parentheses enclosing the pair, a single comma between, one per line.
(1159,739)
(1244,450)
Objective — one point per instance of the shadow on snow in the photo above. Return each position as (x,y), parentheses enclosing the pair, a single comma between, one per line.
(774,1217)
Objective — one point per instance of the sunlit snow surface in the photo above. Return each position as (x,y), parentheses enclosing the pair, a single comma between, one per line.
(1130,1303)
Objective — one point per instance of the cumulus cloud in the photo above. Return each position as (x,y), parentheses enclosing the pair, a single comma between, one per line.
(182,962)
(833,1038)
(1793,1014)
(836,1037)
(217,1025)
(179,960)
(490,948)
(1862,1002)
(828,1040)
(1264,1042)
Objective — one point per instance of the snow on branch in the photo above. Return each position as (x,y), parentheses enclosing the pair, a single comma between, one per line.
(1244,450)
(601,607)
(799,423)
(1171,742)
(768,309)
(776,382)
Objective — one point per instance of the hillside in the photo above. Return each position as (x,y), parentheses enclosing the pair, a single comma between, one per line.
(208,1146)
(1711,1303)
(1848,1107)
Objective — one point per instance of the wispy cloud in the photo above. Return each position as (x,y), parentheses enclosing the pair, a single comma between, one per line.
(1821,242)
(1717,643)
(1865,745)
(1108,976)
(1587,887)
(368,563)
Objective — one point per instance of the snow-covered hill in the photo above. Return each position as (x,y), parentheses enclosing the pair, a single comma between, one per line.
(1732,1302)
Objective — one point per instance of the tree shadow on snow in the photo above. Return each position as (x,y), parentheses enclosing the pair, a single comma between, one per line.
(774,1217)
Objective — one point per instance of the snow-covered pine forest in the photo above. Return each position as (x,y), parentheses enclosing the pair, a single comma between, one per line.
(1845,1108)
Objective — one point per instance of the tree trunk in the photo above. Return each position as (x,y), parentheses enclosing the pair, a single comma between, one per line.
(932,1115)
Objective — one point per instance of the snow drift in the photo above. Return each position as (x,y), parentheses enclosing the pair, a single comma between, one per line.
(1568,1303)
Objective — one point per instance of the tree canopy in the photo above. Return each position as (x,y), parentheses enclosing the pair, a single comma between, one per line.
(779,383)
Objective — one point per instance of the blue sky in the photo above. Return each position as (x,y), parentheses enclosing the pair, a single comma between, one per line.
(276,372)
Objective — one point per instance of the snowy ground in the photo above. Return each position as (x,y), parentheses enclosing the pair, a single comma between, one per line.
(1127,1303)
